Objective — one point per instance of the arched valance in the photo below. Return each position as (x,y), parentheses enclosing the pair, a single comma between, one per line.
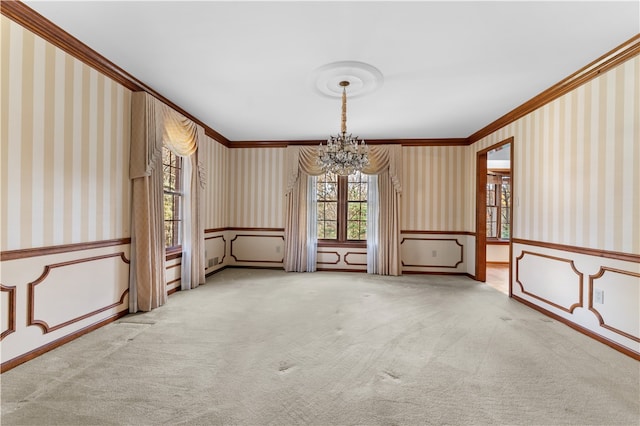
(180,134)
(381,159)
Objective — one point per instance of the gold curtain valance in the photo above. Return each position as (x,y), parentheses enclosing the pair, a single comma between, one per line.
(381,158)
(180,134)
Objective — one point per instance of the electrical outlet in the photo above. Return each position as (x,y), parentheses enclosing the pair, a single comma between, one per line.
(434,253)
(598,296)
(277,249)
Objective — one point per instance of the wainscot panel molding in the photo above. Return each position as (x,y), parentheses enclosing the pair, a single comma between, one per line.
(628,257)
(551,281)
(59,296)
(65,248)
(8,365)
(81,276)
(609,317)
(325,257)
(587,332)
(432,252)
(257,248)
(9,309)
(22,14)
(551,273)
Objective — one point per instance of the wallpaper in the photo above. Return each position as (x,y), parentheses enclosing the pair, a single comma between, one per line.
(577,175)
(65,147)
(256,187)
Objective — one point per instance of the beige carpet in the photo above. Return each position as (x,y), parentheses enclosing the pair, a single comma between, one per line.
(261,347)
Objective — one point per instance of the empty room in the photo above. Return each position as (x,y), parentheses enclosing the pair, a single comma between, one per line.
(320,212)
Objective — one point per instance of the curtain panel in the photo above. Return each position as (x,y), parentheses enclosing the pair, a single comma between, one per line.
(383,244)
(154,124)
(147,288)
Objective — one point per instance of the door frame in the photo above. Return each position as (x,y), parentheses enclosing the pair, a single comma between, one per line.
(481,211)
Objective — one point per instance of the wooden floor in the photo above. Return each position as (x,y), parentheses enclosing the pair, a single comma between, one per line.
(498,277)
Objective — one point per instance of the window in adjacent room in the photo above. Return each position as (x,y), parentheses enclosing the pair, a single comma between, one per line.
(172,185)
(498,206)
(342,207)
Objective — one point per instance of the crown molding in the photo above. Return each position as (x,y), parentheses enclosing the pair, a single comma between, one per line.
(611,59)
(38,24)
(22,14)
(403,142)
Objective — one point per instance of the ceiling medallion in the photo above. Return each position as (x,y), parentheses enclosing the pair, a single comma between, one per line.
(363,78)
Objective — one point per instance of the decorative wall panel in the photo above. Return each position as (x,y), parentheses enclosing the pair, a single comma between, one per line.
(431,252)
(257,248)
(8,305)
(55,284)
(620,294)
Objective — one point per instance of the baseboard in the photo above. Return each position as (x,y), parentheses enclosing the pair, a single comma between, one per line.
(614,345)
(208,274)
(12,363)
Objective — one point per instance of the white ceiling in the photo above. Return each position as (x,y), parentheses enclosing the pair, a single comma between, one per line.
(450,68)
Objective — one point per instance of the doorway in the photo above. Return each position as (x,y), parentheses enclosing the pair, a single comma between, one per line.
(494,215)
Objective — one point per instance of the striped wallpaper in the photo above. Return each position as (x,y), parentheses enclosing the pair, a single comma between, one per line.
(256,187)
(577,165)
(65,147)
(433,188)
(215,158)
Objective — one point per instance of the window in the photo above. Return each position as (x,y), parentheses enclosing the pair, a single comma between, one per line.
(342,207)
(498,206)
(172,185)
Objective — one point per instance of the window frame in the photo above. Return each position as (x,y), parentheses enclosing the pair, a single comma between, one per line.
(498,204)
(176,191)
(342,219)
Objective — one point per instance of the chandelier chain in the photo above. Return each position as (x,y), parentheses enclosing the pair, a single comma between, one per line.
(343,154)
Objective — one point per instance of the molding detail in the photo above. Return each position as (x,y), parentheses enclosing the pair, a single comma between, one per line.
(354,264)
(32,285)
(436,239)
(330,263)
(617,346)
(311,142)
(8,365)
(627,257)
(603,324)
(254,260)
(11,310)
(224,246)
(22,14)
(580,275)
(609,60)
(65,248)
(410,231)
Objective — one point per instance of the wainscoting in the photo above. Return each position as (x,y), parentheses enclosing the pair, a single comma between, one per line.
(595,291)
(43,308)
(441,252)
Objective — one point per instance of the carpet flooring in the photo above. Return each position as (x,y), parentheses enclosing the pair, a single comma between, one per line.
(264,347)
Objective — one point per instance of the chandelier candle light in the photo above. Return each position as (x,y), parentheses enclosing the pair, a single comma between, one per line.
(343,154)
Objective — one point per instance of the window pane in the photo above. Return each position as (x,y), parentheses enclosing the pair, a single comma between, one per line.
(353,211)
(492,221)
(331,211)
(331,230)
(320,211)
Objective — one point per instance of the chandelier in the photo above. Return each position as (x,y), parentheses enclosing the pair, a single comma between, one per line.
(343,154)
